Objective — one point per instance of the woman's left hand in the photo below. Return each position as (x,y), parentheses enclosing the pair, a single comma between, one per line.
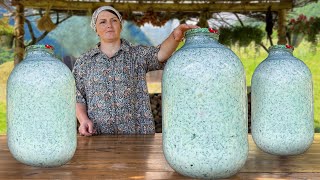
(171,43)
(178,32)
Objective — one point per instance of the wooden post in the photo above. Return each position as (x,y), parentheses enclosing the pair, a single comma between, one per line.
(282,27)
(19,34)
(203,18)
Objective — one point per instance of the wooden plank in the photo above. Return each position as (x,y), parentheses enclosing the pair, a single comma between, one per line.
(141,157)
(159,6)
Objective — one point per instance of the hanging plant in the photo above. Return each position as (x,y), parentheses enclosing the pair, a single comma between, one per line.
(155,18)
(242,35)
(314,29)
(225,36)
(302,27)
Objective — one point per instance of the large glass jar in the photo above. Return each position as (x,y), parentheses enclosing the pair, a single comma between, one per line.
(204,105)
(282,103)
(41,118)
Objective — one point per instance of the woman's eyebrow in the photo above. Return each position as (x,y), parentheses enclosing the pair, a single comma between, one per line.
(103,19)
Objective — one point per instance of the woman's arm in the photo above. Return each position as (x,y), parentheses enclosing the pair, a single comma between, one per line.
(86,125)
(171,43)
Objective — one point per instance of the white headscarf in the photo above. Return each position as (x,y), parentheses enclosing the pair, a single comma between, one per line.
(98,11)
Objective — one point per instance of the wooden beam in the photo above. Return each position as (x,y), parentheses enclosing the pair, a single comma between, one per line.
(19,34)
(166,6)
(282,27)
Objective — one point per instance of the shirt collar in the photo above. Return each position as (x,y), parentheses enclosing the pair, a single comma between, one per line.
(124,46)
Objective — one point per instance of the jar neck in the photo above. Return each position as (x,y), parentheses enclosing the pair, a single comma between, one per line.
(201,38)
(36,51)
(280,50)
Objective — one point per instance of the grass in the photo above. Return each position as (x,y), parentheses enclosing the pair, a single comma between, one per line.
(3,125)
(5,70)
(3,87)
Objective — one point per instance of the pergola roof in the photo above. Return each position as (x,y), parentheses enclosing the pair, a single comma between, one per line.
(186,6)
(155,11)
(158,12)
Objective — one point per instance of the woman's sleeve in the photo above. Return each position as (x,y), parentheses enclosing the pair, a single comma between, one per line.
(151,58)
(79,75)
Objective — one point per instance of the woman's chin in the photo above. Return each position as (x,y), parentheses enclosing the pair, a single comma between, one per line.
(110,39)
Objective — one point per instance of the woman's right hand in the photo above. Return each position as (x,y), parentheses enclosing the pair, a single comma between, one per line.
(86,128)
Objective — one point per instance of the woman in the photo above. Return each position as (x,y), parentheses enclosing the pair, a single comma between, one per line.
(112,95)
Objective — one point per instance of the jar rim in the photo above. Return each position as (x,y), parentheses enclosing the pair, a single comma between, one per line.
(213,32)
(45,47)
(283,47)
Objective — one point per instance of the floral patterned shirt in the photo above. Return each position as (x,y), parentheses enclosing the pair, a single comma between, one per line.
(114,89)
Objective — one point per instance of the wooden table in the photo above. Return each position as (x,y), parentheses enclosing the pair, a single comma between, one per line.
(141,157)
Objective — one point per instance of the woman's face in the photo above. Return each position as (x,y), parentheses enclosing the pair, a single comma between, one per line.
(108,26)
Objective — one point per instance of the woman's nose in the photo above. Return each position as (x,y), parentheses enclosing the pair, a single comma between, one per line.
(109,25)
